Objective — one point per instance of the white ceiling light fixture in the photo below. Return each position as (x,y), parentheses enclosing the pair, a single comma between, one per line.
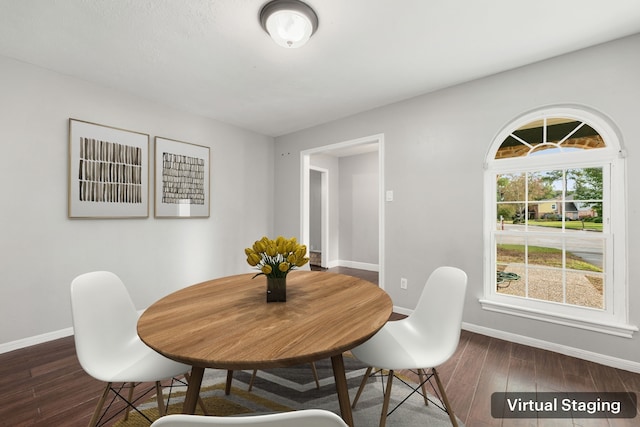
(290,23)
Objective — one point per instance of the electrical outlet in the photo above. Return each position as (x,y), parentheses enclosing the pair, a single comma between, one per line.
(403,283)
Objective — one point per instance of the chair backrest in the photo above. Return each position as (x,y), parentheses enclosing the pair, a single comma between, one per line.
(104,319)
(438,314)
(306,418)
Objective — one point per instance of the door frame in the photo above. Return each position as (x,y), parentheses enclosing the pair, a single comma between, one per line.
(305,167)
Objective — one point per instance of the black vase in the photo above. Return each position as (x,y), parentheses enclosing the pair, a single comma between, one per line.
(276,289)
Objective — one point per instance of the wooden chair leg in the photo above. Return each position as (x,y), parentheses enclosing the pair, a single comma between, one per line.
(387,397)
(421,375)
(362,384)
(99,406)
(445,400)
(253,377)
(314,371)
(162,410)
(132,387)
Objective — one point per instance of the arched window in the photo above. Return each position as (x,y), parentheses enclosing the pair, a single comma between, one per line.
(555,221)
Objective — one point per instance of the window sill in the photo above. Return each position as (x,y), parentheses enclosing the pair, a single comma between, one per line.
(611,328)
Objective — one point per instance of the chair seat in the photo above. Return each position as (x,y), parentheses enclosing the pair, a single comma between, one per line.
(411,349)
(138,363)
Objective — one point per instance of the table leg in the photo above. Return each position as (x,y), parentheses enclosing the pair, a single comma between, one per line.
(342,389)
(193,391)
(227,387)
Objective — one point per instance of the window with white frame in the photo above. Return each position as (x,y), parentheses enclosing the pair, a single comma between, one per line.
(555,221)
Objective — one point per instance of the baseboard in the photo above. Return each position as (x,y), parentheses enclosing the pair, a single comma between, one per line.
(38,339)
(402,310)
(359,265)
(602,359)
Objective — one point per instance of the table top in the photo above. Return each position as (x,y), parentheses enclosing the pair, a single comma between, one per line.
(226,323)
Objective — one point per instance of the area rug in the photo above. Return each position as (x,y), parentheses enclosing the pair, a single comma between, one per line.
(292,388)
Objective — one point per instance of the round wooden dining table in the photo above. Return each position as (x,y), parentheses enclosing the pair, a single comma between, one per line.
(226,323)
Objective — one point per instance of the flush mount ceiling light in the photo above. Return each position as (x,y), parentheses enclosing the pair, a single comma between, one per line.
(290,23)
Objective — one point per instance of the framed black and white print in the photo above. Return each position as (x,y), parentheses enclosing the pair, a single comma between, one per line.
(181,179)
(108,172)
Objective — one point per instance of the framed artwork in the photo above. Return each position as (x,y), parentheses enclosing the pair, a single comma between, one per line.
(108,172)
(181,179)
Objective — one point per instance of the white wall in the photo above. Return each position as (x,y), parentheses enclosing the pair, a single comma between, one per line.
(41,250)
(435,146)
(358,200)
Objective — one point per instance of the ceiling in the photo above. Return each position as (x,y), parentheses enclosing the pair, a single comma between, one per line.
(211,57)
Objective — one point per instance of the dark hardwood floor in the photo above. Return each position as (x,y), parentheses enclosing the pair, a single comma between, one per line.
(44,385)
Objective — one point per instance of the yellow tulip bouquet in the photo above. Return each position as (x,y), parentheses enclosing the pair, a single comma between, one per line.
(275,258)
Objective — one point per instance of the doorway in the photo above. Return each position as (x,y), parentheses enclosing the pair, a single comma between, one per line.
(318,216)
(319,188)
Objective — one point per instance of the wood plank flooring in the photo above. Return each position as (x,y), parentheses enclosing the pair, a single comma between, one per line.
(44,385)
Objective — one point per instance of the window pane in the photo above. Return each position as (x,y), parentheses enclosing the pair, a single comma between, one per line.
(510,196)
(584,190)
(585,278)
(585,254)
(510,250)
(510,256)
(584,137)
(545,185)
(511,187)
(545,284)
(585,290)
(546,256)
(554,135)
(509,214)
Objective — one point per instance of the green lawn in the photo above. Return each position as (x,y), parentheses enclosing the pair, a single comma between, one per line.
(569,225)
(538,255)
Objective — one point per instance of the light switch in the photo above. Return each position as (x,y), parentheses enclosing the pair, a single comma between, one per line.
(389,196)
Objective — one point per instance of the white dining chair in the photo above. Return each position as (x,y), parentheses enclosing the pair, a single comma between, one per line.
(108,346)
(303,418)
(425,339)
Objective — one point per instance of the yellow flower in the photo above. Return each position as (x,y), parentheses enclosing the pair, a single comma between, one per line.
(259,246)
(301,251)
(284,266)
(302,262)
(292,245)
(281,248)
(253,259)
(276,256)
(271,249)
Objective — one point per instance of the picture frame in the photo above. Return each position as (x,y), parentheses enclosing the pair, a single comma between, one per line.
(108,172)
(182,179)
